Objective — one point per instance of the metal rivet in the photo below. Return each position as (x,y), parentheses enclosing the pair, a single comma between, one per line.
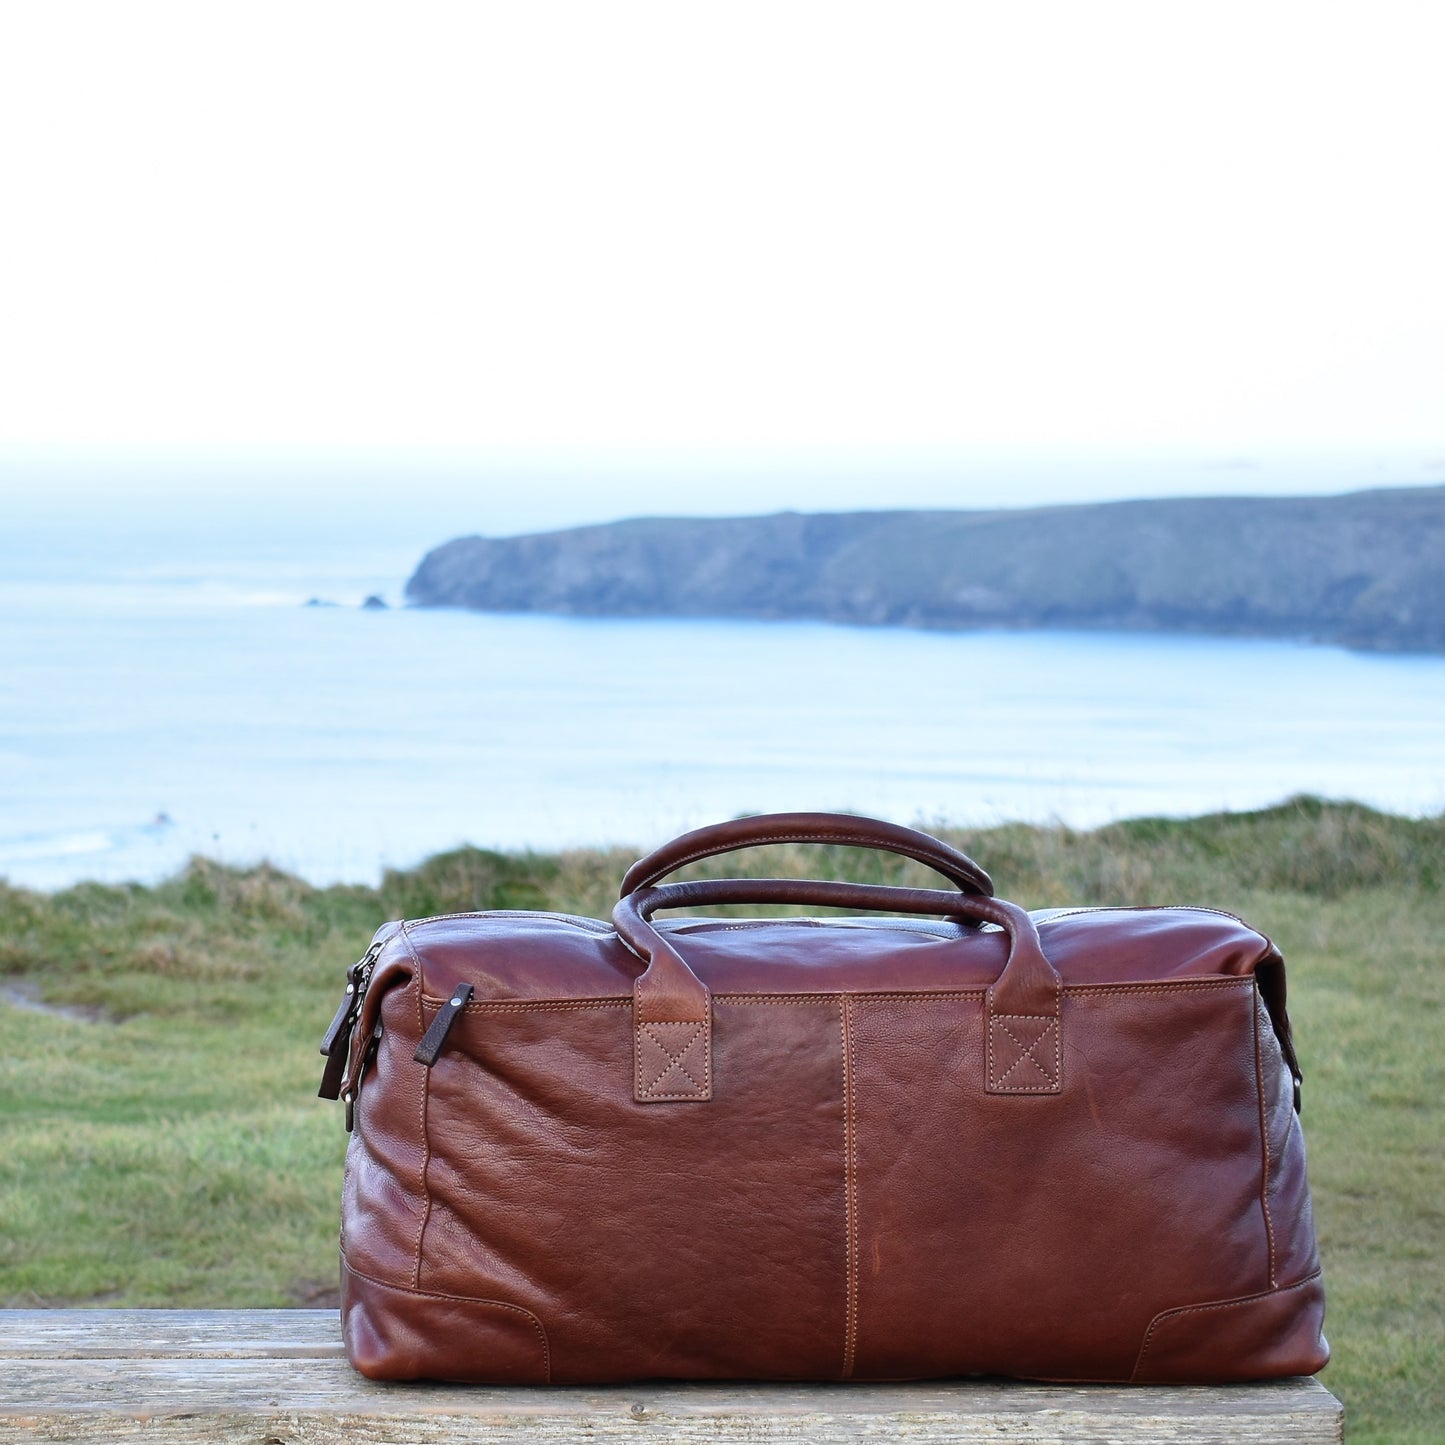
(456,1003)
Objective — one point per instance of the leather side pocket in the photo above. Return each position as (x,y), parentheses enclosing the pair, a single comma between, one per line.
(1258,1337)
(407,1334)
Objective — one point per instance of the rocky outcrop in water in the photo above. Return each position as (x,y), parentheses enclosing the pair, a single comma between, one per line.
(1365,570)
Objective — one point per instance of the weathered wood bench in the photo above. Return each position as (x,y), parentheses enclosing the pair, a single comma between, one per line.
(278,1377)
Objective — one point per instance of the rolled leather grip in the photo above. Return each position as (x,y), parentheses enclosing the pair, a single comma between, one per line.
(836,828)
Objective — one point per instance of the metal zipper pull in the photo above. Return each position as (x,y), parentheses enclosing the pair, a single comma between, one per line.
(340,1021)
(433,1041)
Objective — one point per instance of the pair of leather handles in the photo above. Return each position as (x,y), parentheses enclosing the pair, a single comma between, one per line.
(672,1007)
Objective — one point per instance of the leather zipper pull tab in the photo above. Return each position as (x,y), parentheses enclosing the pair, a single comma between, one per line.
(433,1041)
(337,1045)
(343,1015)
(335,1070)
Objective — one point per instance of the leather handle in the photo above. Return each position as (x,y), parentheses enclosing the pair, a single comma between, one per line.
(838,828)
(672,1008)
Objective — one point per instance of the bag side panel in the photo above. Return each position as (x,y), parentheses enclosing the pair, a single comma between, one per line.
(1039,1236)
(660,1240)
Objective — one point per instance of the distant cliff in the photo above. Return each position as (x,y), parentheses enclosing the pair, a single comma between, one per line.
(1365,570)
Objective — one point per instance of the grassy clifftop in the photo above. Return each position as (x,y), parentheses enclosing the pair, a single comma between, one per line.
(1366,570)
(160,1142)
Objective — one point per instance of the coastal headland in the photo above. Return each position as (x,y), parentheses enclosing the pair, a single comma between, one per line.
(1363,570)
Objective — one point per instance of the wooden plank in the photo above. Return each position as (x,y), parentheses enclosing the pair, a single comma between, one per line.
(277,1377)
(168,1334)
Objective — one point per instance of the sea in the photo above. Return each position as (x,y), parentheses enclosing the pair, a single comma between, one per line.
(170,692)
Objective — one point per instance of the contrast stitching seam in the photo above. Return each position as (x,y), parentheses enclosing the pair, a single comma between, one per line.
(405,933)
(1263,1136)
(424,1216)
(467,1299)
(795,1000)
(764,923)
(1058,1031)
(1071,990)
(1163,986)
(850,1190)
(1145,908)
(1203,1309)
(823,996)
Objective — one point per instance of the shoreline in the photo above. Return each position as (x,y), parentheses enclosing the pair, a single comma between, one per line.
(1300,810)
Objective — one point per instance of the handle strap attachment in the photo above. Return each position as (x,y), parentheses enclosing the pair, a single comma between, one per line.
(672,1007)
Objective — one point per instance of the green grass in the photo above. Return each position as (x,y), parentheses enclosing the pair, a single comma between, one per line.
(169,1150)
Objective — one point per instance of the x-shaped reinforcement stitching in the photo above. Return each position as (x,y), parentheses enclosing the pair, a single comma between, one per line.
(1015,1042)
(670,1057)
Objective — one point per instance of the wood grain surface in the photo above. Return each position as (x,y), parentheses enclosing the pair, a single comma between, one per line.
(279,1377)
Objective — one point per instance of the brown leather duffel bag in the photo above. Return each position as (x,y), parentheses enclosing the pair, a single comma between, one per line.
(1062,1146)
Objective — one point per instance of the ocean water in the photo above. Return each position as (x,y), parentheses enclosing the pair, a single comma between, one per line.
(152,708)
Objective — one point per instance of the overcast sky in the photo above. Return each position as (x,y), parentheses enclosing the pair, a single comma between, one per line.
(774,238)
